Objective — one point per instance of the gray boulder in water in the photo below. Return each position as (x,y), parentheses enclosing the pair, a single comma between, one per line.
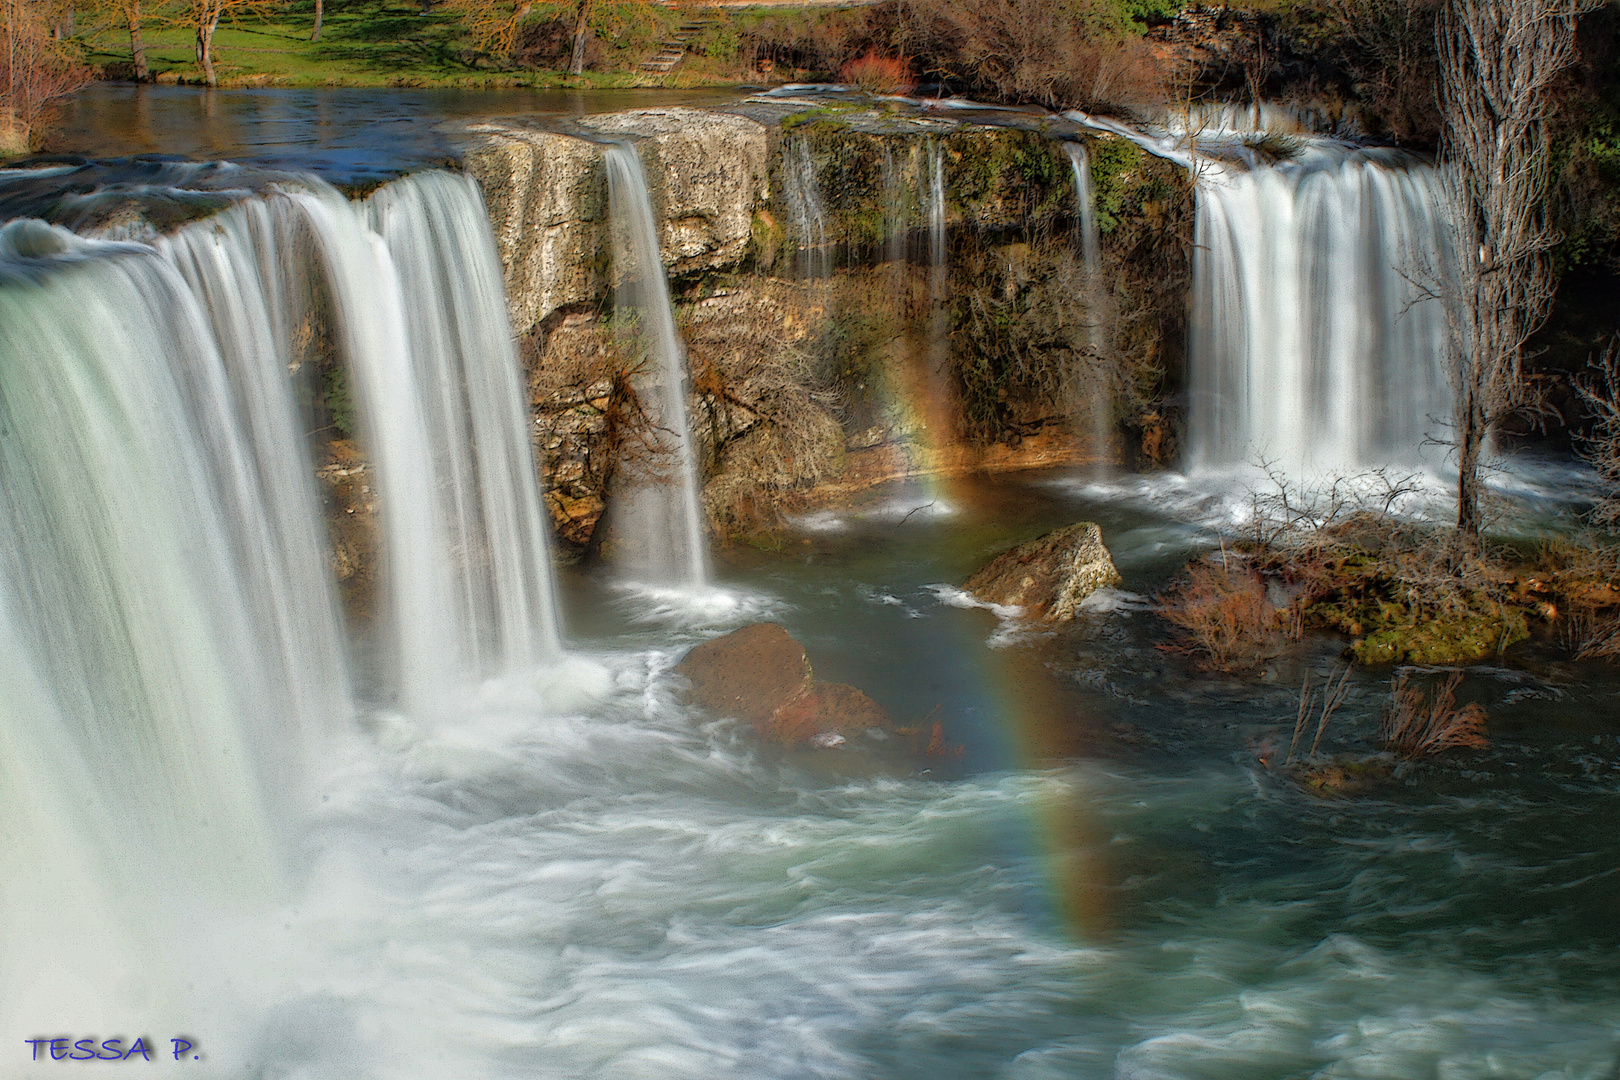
(1050,576)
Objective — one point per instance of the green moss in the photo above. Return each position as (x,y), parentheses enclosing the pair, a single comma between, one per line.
(765,239)
(1116,180)
(338,402)
(1443,641)
(1007,176)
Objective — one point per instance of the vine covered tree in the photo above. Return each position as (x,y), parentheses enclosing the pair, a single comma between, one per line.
(1498,61)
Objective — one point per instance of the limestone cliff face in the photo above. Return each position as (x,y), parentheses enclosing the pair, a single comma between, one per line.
(863,295)
(709,172)
(547,193)
(547,199)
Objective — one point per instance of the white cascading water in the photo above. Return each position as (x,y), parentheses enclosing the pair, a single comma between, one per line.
(939,315)
(475,425)
(177,678)
(657,516)
(1317,345)
(1085,204)
(805,202)
(1095,400)
(161,616)
(420,316)
(1313,344)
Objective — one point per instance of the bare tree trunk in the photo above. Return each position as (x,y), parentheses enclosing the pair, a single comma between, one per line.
(320,14)
(205,49)
(1470,445)
(137,44)
(1498,59)
(581,30)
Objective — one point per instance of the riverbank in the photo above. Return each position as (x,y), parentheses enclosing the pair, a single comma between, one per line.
(376,43)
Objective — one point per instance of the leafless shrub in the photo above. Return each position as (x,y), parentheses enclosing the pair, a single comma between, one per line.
(1600,392)
(1583,572)
(1418,724)
(1225,614)
(878,74)
(1394,61)
(36,69)
(1290,515)
(1062,54)
(1333,695)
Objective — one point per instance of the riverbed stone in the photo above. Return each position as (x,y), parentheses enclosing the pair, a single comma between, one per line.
(1049,576)
(760,674)
(824,709)
(749,673)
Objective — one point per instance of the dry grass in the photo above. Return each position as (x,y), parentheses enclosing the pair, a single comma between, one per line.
(1062,54)
(878,74)
(1225,615)
(1334,691)
(1417,724)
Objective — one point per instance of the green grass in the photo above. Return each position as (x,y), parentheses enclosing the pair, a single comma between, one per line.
(363,43)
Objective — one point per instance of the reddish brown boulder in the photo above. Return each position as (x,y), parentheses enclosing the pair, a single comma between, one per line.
(825,709)
(761,675)
(749,673)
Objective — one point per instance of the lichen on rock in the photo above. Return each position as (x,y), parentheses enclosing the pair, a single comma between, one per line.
(1050,576)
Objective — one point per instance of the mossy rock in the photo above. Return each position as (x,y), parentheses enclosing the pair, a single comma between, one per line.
(1442,641)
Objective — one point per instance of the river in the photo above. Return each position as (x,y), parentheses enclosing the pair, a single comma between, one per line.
(1094,870)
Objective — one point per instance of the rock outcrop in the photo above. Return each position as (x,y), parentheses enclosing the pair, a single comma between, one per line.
(761,675)
(1050,576)
(780,225)
(547,200)
(707,174)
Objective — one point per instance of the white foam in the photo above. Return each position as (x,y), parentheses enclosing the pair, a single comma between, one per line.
(693,605)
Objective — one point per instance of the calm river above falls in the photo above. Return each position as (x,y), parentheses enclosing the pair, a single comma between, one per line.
(1091,872)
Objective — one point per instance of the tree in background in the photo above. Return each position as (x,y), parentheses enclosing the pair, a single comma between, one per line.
(1393,60)
(131,14)
(1498,60)
(560,32)
(493,25)
(204,16)
(36,68)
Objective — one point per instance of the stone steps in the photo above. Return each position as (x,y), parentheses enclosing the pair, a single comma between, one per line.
(673,51)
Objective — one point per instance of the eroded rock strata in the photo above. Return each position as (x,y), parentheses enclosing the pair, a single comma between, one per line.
(863,296)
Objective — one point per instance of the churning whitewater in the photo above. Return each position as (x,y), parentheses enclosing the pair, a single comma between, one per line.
(452,846)
(1318,338)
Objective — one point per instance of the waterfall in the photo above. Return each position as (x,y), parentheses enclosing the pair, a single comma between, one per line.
(491,605)
(176,678)
(936,204)
(1095,400)
(1085,205)
(803,193)
(411,286)
(939,314)
(1313,345)
(658,521)
(1316,344)
(163,613)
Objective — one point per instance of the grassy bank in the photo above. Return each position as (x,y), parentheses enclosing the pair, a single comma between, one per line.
(383,43)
